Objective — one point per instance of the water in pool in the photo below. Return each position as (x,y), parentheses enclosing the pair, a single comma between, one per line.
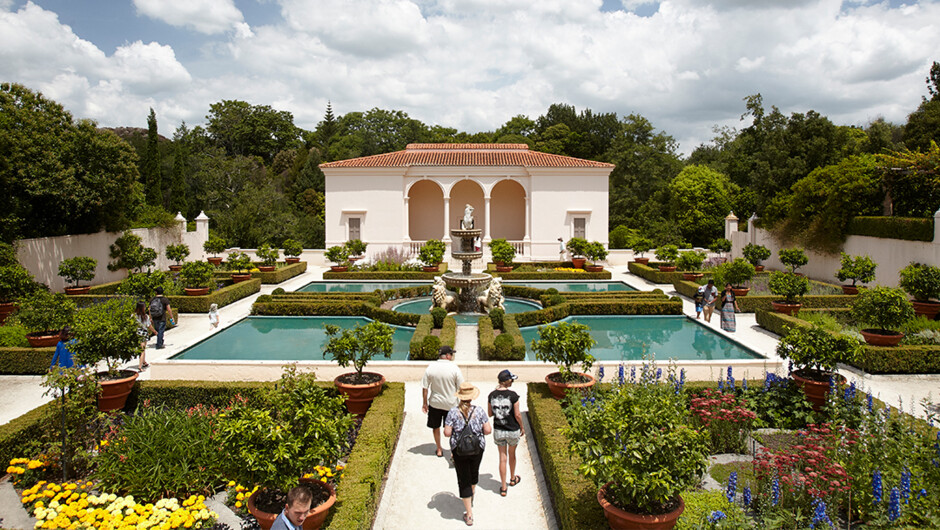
(420,306)
(576,287)
(628,338)
(354,287)
(283,339)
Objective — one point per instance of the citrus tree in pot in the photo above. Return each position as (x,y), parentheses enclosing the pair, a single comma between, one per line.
(857,269)
(76,270)
(339,256)
(755,255)
(268,257)
(357,346)
(815,352)
(15,282)
(357,249)
(108,332)
(595,252)
(240,265)
(792,258)
(197,277)
(431,254)
(923,283)
(690,263)
(641,246)
(44,314)
(503,253)
(273,442)
(566,344)
(789,286)
(215,245)
(292,251)
(667,254)
(887,309)
(577,246)
(637,444)
(736,272)
(177,253)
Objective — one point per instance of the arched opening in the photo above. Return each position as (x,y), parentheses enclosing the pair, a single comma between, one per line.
(507,211)
(425,211)
(463,193)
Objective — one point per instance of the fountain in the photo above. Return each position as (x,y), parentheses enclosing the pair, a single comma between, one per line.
(473,289)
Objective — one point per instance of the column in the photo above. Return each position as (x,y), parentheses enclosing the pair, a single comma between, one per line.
(486,219)
(407,231)
(731,225)
(446,219)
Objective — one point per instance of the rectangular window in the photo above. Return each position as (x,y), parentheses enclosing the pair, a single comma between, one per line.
(579,227)
(354,232)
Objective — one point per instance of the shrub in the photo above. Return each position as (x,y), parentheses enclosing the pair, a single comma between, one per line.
(622,237)
(129,253)
(432,252)
(503,345)
(502,251)
(177,253)
(44,312)
(293,248)
(905,228)
(15,281)
(857,269)
(106,331)
(277,291)
(267,255)
(196,274)
(793,258)
(143,284)
(438,314)
(356,247)
(921,281)
(565,344)
(788,285)
(357,346)
(215,245)
(577,246)
(496,317)
(430,347)
(238,262)
(642,245)
(13,335)
(595,252)
(755,254)
(815,349)
(737,273)
(78,269)
(720,246)
(690,260)
(667,253)
(884,307)
(337,254)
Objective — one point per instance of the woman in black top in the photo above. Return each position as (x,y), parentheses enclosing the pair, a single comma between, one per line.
(507,427)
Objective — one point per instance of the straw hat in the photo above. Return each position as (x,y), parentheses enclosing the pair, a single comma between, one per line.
(467,392)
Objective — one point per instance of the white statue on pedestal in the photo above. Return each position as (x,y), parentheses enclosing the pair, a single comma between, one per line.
(492,297)
(467,222)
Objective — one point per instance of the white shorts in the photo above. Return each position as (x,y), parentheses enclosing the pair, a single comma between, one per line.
(506,437)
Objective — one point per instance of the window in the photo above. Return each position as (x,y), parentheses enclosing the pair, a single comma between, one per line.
(579,227)
(354,232)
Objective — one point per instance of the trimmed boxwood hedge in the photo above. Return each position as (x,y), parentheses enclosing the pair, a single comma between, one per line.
(755,303)
(488,350)
(222,297)
(448,337)
(651,274)
(380,275)
(574,496)
(907,228)
(664,306)
(282,273)
(344,308)
(25,361)
(554,275)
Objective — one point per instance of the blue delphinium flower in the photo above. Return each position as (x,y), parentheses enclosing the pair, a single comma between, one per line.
(870,402)
(732,488)
(744,384)
(906,485)
(775,492)
(747,495)
(633,374)
(659,373)
(716,516)
(894,506)
(721,384)
(600,374)
(620,375)
(922,493)
(730,379)
(819,515)
(832,384)
(876,490)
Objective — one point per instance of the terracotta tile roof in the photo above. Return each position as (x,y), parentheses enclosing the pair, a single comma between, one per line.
(466,155)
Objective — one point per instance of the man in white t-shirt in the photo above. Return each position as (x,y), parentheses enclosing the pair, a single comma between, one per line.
(438,391)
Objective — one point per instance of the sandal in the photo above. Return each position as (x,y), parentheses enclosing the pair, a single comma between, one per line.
(467,519)
(502,492)
(439,453)
(515,480)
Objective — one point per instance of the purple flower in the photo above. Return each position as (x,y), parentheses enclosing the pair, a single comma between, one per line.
(732,486)
(876,490)
(906,485)
(870,402)
(747,495)
(819,515)
(600,374)
(716,516)
(775,492)
(620,374)
(894,506)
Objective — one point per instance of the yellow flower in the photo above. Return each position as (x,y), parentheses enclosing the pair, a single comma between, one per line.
(240,496)
(231,483)
(238,504)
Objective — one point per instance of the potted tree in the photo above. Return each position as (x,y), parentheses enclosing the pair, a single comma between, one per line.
(128,252)
(815,352)
(793,259)
(887,309)
(577,246)
(197,277)
(357,347)
(268,257)
(78,269)
(292,251)
(357,249)
(177,253)
(566,344)
(667,254)
(755,255)
(690,262)
(923,283)
(339,255)
(789,286)
(736,272)
(641,246)
(431,254)
(595,252)
(108,332)
(720,246)
(503,253)
(637,444)
(240,265)
(857,269)
(44,314)
(15,282)
(215,245)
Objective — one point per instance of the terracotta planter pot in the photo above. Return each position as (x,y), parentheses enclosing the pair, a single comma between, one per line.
(667,268)
(77,290)
(619,519)
(43,339)
(353,259)
(786,308)
(594,268)
(849,289)
(267,268)
(642,261)
(578,263)
(503,268)
(874,337)
(691,276)
(926,309)
(176,268)
(339,268)
(815,390)
(758,268)
(740,291)
(238,278)
(114,393)
(215,261)
(431,269)
(5,310)
(199,291)
(291,261)
(558,390)
(359,397)
(315,517)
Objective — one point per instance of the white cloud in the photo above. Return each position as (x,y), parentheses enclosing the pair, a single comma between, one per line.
(205,16)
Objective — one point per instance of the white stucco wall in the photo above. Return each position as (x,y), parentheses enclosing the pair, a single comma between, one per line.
(376,195)
(558,197)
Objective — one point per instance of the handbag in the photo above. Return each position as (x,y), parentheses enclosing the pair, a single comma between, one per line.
(468,442)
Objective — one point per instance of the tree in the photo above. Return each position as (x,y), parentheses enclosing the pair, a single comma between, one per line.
(912,179)
(251,130)
(923,125)
(178,189)
(327,129)
(374,132)
(151,167)
(933,81)
(699,201)
(519,125)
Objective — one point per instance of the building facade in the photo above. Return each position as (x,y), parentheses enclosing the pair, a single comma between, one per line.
(405,198)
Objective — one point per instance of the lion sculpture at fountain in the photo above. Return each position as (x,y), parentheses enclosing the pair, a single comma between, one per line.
(441,297)
(492,297)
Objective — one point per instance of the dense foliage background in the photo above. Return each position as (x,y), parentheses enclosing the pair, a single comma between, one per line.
(256,174)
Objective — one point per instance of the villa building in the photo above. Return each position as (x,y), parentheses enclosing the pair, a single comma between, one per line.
(404,198)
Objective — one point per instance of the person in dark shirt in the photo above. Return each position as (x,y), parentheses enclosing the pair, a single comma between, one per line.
(507,427)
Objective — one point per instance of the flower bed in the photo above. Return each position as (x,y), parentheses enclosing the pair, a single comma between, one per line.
(380,275)
(283,273)
(572,274)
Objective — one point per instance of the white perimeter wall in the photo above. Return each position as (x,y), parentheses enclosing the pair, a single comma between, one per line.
(376,196)
(559,196)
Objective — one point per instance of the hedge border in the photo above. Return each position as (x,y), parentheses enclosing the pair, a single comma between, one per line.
(380,275)
(574,497)
(904,228)
(279,275)
(25,361)
(183,304)
(554,275)
(755,303)
(652,275)
(346,308)
(666,306)
(487,339)
(448,337)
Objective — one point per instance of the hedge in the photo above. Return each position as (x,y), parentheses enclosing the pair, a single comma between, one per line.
(652,274)
(417,350)
(554,275)
(25,361)
(380,275)
(907,228)
(488,351)
(222,297)
(279,275)
(670,306)
(755,303)
(346,308)
(491,267)
(19,433)
(574,496)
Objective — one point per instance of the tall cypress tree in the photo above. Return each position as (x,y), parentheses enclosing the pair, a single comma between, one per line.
(151,167)
(327,129)
(178,201)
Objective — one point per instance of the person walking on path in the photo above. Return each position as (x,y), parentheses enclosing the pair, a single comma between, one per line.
(467,426)
(503,405)
(144,328)
(63,356)
(438,391)
(729,304)
(709,297)
(159,313)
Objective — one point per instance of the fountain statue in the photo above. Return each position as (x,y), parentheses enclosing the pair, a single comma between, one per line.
(492,297)
(441,297)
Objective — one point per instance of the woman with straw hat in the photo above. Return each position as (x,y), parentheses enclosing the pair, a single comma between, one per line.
(467,425)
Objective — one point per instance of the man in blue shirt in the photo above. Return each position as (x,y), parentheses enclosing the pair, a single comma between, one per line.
(62,357)
(295,511)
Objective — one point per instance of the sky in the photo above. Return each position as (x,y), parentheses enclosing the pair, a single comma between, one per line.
(686,65)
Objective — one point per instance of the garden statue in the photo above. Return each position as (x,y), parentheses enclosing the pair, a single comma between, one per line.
(492,297)
(467,222)
(441,297)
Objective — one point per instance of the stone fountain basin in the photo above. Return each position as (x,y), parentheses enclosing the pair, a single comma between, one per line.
(455,279)
(466,232)
(468,256)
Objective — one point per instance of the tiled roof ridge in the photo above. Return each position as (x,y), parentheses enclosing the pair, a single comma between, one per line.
(411,147)
(440,155)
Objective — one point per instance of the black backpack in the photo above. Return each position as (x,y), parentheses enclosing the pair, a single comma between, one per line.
(156,308)
(468,442)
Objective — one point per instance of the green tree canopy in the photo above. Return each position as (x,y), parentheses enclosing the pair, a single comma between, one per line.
(699,200)
(251,130)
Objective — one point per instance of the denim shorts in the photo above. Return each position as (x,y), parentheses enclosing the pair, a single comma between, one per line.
(506,437)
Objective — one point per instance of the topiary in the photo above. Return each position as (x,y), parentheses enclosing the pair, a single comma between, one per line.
(793,258)
(667,253)
(856,268)
(496,316)
(921,281)
(293,248)
(430,346)
(279,290)
(886,308)
(642,245)
(215,245)
(177,253)
(690,260)
(267,255)
(735,272)
(503,346)
(788,285)
(78,269)
(197,274)
(755,254)
(438,314)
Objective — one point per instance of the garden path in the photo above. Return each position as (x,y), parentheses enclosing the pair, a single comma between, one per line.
(421,490)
